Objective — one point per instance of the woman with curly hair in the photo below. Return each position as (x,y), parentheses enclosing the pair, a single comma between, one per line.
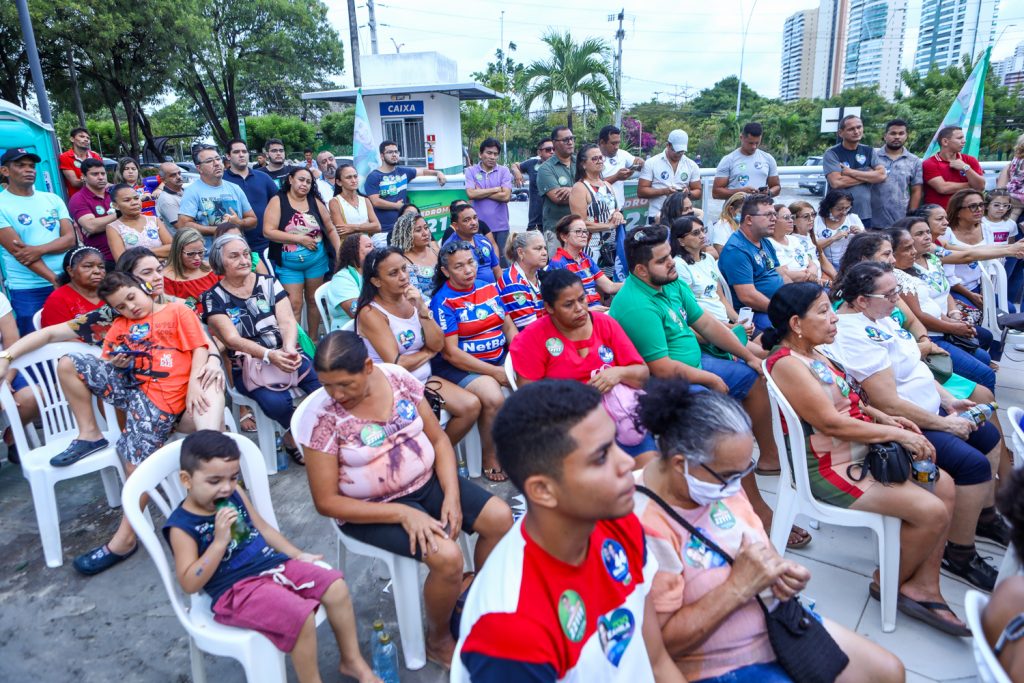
(412,235)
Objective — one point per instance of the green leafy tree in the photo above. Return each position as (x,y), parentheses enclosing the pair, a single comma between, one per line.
(295,133)
(572,70)
(338,128)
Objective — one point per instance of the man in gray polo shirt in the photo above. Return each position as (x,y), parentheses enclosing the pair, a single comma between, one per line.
(853,167)
(901,192)
(555,179)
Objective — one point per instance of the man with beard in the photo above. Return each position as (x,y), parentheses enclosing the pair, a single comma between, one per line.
(900,194)
(853,167)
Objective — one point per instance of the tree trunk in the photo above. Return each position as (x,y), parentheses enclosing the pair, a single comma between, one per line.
(75,92)
(147,133)
(193,85)
(113,117)
(133,125)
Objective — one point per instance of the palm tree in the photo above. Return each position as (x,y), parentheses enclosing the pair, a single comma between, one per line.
(571,69)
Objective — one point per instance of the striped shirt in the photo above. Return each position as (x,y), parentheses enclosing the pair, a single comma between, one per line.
(583,267)
(475,315)
(519,297)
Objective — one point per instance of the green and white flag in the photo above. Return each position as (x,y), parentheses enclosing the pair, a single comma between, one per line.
(967,109)
(365,155)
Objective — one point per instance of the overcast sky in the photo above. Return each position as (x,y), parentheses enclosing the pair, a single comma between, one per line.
(664,50)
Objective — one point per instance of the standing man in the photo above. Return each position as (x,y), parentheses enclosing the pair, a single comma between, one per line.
(169,200)
(619,165)
(261,160)
(748,168)
(257,187)
(545,148)
(209,200)
(668,173)
(91,211)
(489,188)
(900,194)
(948,170)
(328,169)
(70,162)
(555,178)
(275,168)
(388,187)
(853,167)
(748,261)
(35,232)
(308,160)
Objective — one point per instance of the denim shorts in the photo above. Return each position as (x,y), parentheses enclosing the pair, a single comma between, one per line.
(301,265)
(739,376)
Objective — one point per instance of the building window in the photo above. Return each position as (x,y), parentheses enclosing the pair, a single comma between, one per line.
(407,132)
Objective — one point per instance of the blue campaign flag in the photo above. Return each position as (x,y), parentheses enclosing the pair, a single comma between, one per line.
(365,155)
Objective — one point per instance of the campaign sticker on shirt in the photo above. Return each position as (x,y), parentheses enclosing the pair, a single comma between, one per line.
(826,233)
(614,631)
(605,354)
(615,561)
(742,180)
(235,314)
(519,298)
(100,210)
(152,233)
(572,615)
(699,555)
(843,385)
(372,435)
(860,159)
(554,346)
(131,238)
(406,338)
(562,180)
(876,335)
(903,334)
(721,516)
(137,333)
(664,175)
(24,218)
(741,166)
(486,251)
(263,305)
(822,372)
(406,409)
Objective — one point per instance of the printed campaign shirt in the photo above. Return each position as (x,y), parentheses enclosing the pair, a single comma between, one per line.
(475,315)
(571,623)
(584,267)
(392,187)
(519,297)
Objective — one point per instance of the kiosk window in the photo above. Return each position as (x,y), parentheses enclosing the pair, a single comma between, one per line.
(408,133)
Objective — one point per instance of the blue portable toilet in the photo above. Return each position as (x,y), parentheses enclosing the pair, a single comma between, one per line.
(18,128)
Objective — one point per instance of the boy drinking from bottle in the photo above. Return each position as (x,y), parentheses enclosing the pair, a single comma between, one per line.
(254,576)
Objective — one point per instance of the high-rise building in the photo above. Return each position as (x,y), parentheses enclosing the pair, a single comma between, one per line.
(798,44)
(874,44)
(951,28)
(830,48)
(1010,71)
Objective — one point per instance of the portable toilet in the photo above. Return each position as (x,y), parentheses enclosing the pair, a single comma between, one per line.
(18,128)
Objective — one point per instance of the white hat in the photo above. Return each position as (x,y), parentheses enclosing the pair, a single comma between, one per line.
(679,140)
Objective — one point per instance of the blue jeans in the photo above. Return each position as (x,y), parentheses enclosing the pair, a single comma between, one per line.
(761,322)
(278,405)
(738,375)
(754,673)
(25,303)
(972,366)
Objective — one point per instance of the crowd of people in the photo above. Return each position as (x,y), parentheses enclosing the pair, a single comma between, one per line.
(616,377)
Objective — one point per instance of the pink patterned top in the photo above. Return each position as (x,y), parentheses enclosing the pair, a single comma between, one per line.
(377,461)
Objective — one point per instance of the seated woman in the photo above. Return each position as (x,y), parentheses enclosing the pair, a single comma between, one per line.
(803,228)
(252,317)
(885,362)
(80,277)
(519,285)
(128,173)
(710,620)
(728,222)
(841,427)
(27,408)
(227,228)
(835,225)
(395,322)
(477,330)
(134,228)
(411,235)
(572,342)
(573,235)
(1004,614)
(187,275)
(798,257)
(344,287)
(380,465)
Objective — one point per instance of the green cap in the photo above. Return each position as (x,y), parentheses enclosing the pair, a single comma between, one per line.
(385,638)
(378,625)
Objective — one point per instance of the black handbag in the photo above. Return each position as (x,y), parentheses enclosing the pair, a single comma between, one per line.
(803,648)
(434,397)
(889,463)
(968,344)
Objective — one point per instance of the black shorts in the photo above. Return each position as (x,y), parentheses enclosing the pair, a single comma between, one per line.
(428,498)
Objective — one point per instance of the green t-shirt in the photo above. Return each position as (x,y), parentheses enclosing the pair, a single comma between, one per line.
(551,174)
(658,322)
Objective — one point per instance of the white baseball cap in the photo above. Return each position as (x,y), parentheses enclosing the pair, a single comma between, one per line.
(679,140)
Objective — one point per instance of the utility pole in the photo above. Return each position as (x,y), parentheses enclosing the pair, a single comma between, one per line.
(743,50)
(29,37)
(373,26)
(619,35)
(504,88)
(353,39)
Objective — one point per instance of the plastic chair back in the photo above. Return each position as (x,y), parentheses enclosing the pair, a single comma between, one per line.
(320,297)
(993,292)
(37,320)
(989,669)
(510,372)
(350,326)
(1016,415)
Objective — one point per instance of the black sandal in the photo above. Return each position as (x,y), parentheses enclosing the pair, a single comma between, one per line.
(296,455)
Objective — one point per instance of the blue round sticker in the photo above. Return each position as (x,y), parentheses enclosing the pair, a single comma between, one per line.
(406,409)
(615,561)
(606,354)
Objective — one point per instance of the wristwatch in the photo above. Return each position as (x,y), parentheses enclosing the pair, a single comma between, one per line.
(6,355)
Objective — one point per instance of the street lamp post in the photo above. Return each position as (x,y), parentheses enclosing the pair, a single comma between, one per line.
(743,50)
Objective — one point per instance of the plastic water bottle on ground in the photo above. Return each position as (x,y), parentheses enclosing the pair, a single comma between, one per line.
(385,659)
(460,461)
(282,457)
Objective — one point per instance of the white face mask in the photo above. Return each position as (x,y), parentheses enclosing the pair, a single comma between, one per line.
(707,493)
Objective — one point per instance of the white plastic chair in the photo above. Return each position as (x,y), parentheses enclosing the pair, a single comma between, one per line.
(1010,565)
(321,305)
(794,497)
(510,372)
(158,477)
(37,320)
(404,573)
(350,326)
(59,429)
(266,429)
(993,292)
(989,669)
(265,255)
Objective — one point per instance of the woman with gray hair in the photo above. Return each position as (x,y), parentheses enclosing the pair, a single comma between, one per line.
(519,286)
(252,317)
(710,619)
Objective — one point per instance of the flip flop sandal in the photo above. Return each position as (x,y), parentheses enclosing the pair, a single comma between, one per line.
(804,536)
(495,474)
(296,455)
(251,423)
(924,612)
(768,472)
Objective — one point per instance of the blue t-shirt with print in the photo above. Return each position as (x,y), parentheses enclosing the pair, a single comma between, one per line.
(246,557)
(486,259)
(36,220)
(393,187)
(210,205)
(744,263)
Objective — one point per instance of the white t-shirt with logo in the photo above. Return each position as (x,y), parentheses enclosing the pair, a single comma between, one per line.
(747,171)
(998,232)
(702,278)
(659,171)
(797,254)
(834,252)
(613,165)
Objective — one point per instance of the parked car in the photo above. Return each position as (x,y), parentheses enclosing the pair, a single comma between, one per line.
(813,182)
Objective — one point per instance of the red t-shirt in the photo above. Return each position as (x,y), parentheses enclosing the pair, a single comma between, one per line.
(191,291)
(67,161)
(541,352)
(936,167)
(64,304)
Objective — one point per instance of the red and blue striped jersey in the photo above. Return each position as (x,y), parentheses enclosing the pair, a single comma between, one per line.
(585,268)
(519,297)
(475,315)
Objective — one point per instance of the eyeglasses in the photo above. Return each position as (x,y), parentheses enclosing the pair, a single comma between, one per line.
(845,209)
(600,158)
(979,206)
(788,219)
(765,215)
(725,481)
(892,296)
(571,138)
(697,231)
(546,149)
(579,233)
(208,161)
(391,151)
(457,245)
(194,254)
(812,214)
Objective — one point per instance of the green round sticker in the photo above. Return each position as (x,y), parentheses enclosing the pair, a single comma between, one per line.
(572,615)
(554,346)
(372,435)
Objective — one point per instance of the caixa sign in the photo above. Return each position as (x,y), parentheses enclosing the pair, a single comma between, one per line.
(403,108)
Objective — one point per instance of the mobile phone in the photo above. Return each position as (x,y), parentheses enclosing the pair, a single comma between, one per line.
(744,315)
